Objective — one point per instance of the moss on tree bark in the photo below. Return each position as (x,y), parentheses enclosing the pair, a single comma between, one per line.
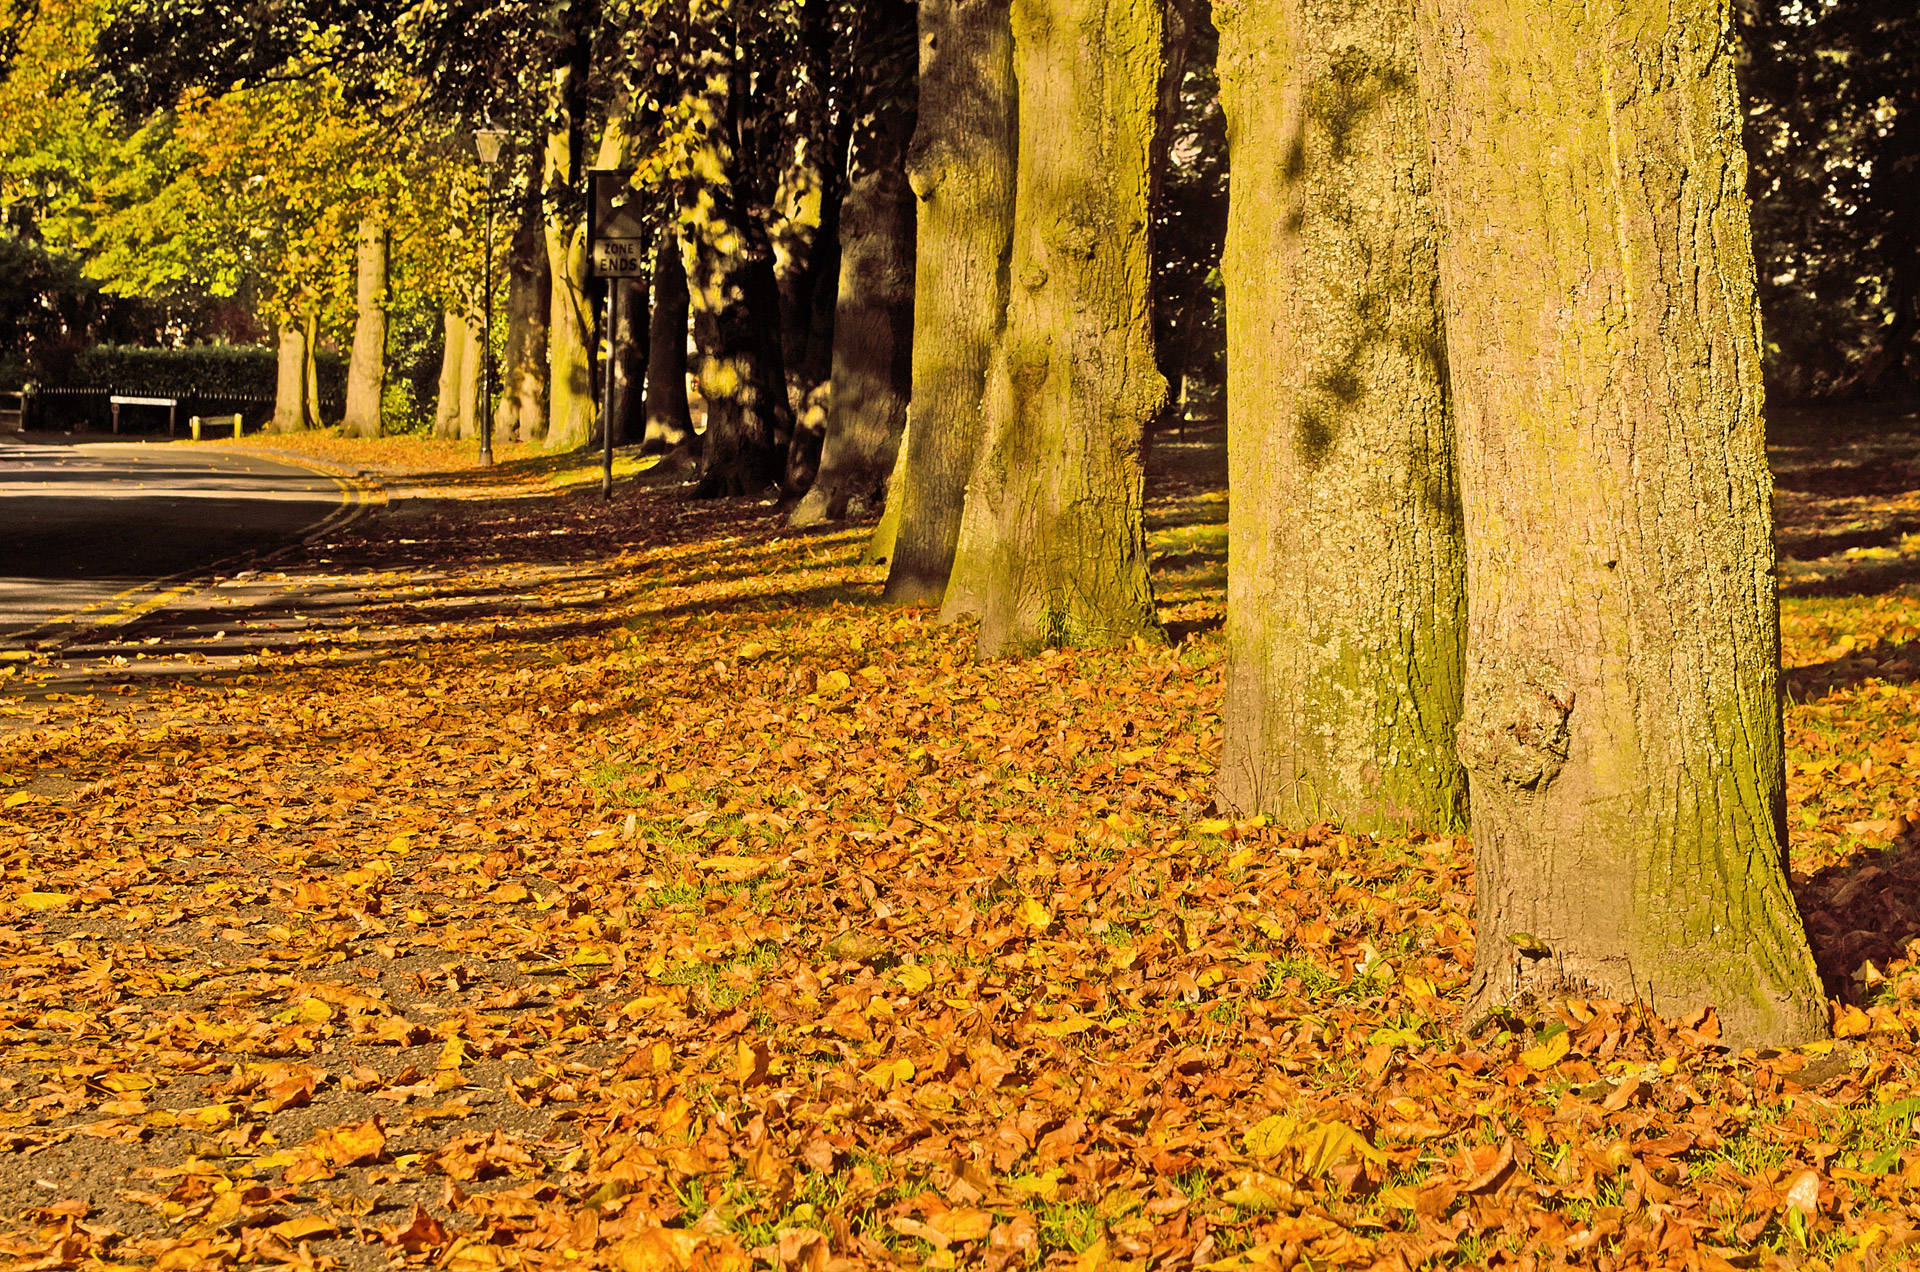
(1346,610)
(1053,546)
(1622,720)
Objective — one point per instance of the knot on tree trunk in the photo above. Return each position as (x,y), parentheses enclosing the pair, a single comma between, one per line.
(1518,733)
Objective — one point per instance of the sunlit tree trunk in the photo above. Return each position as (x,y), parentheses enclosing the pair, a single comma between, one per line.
(1622,722)
(669,425)
(451,406)
(367,363)
(522,412)
(290,386)
(570,408)
(310,338)
(873,326)
(1346,571)
(730,278)
(1053,545)
(961,168)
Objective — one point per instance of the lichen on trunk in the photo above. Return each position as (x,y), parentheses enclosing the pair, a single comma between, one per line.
(960,166)
(1346,576)
(1053,546)
(1622,720)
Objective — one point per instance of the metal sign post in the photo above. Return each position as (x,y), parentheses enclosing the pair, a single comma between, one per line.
(617,241)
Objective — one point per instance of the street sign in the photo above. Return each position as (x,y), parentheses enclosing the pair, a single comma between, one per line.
(617,238)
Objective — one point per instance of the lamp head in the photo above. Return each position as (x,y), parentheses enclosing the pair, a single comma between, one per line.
(489,142)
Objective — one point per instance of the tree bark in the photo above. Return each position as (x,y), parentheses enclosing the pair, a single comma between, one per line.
(453,376)
(873,323)
(290,386)
(1622,725)
(367,364)
(669,424)
(310,348)
(522,412)
(570,407)
(735,298)
(1346,570)
(473,361)
(629,348)
(961,166)
(1053,544)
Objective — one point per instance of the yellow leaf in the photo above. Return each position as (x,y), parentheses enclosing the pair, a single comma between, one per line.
(913,978)
(122,1083)
(1045,1186)
(1851,1022)
(1257,1192)
(1034,914)
(1269,1138)
(18,798)
(1213,826)
(890,1073)
(963,1225)
(304,1227)
(1548,1053)
(729,863)
(835,682)
(42,900)
(353,1144)
(1062,1028)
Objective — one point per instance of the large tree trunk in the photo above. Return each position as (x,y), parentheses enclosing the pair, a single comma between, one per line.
(873,325)
(459,379)
(1622,724)
(290,407)
(367,364)
(1346,571)
(522,413)
(736,301)
(628,347)
(961,166)
(1053,543)
(473,362)
(310,337)
(669,421)
(570,408)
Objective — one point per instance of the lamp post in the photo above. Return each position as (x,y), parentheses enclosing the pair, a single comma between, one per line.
(487,144)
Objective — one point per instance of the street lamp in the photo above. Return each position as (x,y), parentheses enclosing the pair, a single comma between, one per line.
(487,144)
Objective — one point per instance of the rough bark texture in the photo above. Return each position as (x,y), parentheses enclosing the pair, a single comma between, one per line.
(1346,571)
(522,411)
(735,300)
(290,385)
(1053,544)
(454,374)
(873,323)
(962,169)
(570,398)
(367,364)
(628,349)
(669,425)
(1622,723)
(310,336)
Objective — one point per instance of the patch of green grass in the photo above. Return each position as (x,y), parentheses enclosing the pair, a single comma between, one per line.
(1068,1225)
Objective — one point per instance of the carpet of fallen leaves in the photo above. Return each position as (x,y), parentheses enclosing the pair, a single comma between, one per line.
(537,883)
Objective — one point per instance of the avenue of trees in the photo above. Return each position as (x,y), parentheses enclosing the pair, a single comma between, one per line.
(1501,560)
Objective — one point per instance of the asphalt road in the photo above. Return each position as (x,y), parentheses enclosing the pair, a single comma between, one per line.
(83,523)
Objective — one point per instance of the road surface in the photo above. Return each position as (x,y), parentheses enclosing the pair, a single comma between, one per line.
(82,525)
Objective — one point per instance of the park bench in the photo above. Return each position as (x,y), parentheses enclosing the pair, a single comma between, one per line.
(172,405)
(13,410)
(199,422)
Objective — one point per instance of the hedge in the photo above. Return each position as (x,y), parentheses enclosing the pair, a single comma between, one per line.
(207,379)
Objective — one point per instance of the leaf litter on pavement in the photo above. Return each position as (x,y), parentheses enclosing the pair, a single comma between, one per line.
(532,883)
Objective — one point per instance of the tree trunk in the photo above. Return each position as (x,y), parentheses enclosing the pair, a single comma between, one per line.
(473,362)
(522,413)
(290,386)
(310,340)
(873,325)
(570,410)
(629,347)
(1346,570)
(961,167)
(669,422)
(367,365)
(453,375)
(1622,723)
(1053,543)
(736,301)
